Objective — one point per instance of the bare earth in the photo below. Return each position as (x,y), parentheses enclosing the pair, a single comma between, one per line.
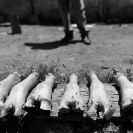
(112,46)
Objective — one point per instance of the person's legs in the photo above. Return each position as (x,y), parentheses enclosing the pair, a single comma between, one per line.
(65,15)
(79,13)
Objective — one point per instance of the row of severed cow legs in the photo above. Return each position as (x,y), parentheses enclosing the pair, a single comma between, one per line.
(39,98)
(99,105)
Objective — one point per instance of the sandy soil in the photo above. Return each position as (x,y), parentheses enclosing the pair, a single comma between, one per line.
(112,46)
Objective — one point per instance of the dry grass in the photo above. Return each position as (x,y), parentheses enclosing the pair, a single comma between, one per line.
(111,75)
(54,67)
(129,74)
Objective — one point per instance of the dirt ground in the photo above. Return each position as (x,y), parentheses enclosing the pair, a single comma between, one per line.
(112,46)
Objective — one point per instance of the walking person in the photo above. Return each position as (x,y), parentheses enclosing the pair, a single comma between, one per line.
(78,7)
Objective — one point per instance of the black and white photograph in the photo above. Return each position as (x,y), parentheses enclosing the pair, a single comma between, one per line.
(66,66)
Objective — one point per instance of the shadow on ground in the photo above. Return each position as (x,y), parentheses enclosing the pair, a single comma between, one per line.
(49,45)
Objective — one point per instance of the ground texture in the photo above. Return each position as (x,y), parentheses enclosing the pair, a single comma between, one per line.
(112,47)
